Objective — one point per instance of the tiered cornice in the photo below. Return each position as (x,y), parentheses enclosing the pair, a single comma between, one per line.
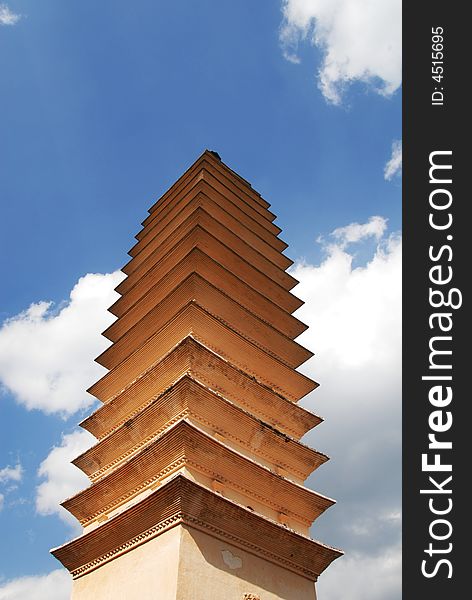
(199,425)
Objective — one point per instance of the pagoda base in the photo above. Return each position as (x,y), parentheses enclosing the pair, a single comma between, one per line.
(184,563)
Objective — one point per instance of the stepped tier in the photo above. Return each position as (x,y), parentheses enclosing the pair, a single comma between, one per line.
(197,261)
(184,501)
(191,358)
(158,248)
(212,173)
(199,426)
(225,176)
(189,399)
(199,237)
(194,320)
(203,196)
(197,290)
(184,445)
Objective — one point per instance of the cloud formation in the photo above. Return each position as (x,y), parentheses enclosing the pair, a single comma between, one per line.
(354,316)
(356,232)
(11,476)
(7,17)
(394,165)
(11,473)
(47,354)
(360,40)
(56,585)
(61,478)
(363,576)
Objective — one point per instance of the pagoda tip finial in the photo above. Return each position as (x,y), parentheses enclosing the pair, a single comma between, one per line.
(215,154)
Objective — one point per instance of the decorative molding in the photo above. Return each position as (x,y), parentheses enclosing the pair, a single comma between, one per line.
(141,445)
(190,348)
(143,406)
(240,332)
(182,501)
(135,491)
(222,482)
(246,368)
(187,444)
(240,399)
(224,433)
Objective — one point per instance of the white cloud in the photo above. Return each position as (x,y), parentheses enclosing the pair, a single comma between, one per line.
(11,473)
(354,316)
(47,356)
(356,232)
(360,40)
(360,576)
(354,313)
(62,479)
(7,17)
(56,585)
(10,476)
(394,165)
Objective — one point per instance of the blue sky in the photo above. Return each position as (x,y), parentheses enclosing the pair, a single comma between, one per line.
(104,104)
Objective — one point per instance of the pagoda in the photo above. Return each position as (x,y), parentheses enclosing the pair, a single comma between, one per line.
(197,475)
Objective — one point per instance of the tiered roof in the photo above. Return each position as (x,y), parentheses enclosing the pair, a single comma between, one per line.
(199,423)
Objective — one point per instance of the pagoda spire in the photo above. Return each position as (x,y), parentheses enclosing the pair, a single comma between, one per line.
(197,475)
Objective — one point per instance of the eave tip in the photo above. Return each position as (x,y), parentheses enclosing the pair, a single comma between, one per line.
(215,154)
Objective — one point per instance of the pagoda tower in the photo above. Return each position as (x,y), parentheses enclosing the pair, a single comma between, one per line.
(197,476)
